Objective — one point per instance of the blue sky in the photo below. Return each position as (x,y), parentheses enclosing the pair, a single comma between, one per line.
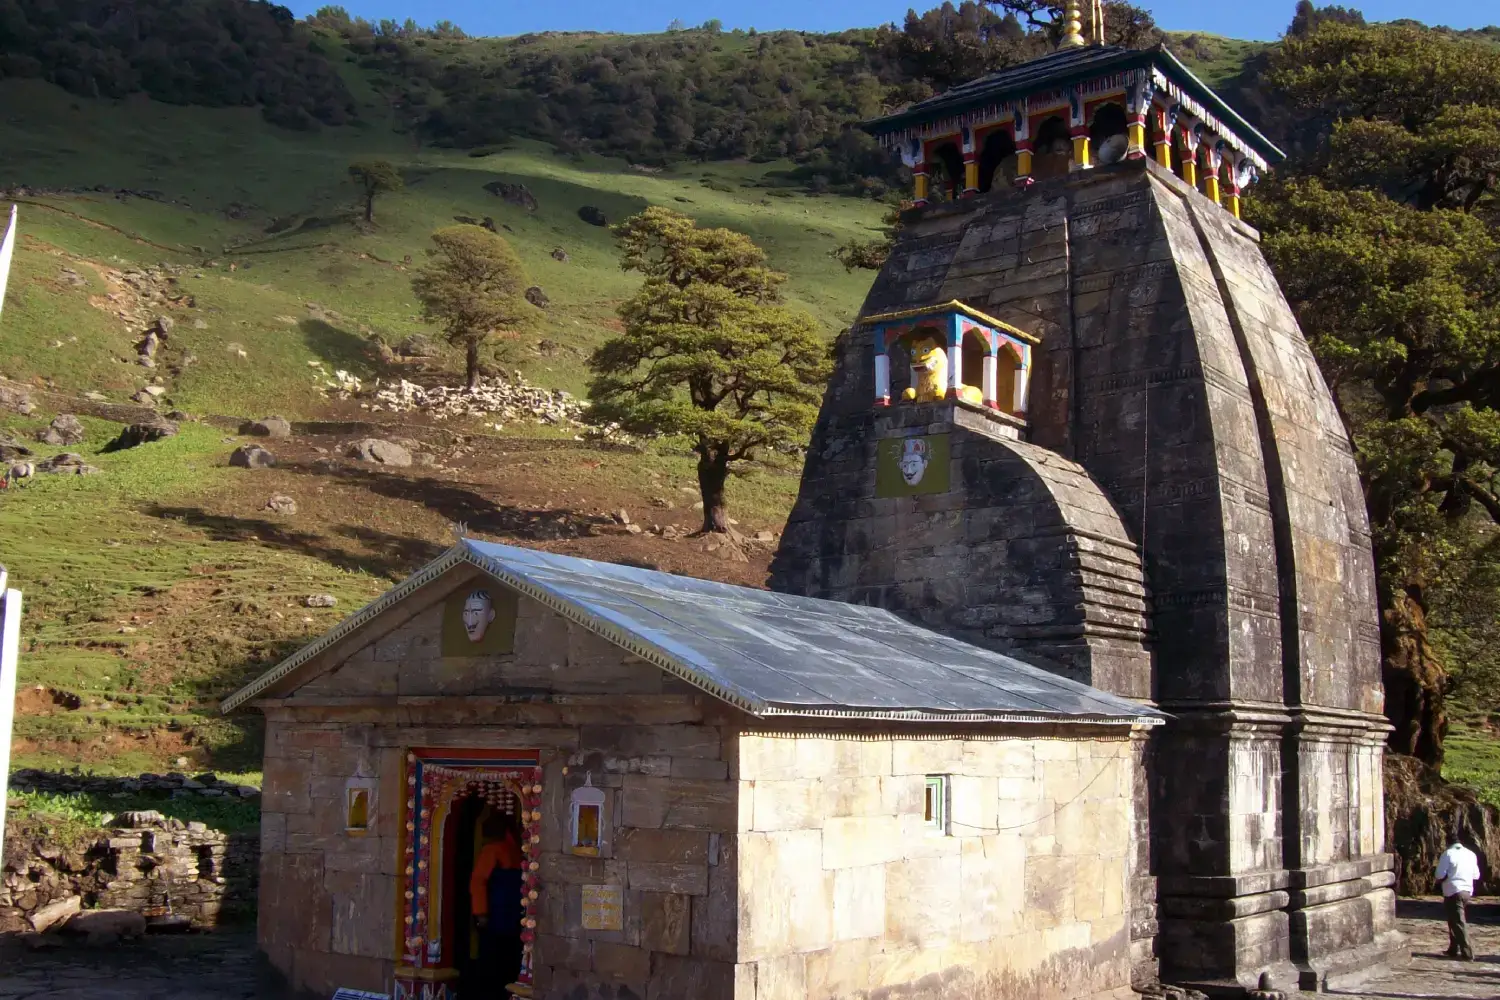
(1262,19)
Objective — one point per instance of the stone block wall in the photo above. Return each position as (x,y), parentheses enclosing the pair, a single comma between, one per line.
(655,746)
(845,893)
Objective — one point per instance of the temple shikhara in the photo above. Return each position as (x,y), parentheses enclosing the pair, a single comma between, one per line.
(1067,683)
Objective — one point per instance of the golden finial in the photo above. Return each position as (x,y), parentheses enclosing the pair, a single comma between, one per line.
(1072,26)
(1096,22)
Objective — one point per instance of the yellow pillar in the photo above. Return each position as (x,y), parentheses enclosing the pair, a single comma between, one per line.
(1023,164)
(1211,187)
(1164,152)
(971,176)
(1232,202)
(1137,136)
(1081,153)
(921,187)
(1190,168)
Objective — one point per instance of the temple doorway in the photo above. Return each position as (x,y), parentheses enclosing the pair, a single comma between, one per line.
(483,893)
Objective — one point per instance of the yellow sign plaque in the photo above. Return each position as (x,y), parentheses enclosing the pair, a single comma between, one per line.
(603,908)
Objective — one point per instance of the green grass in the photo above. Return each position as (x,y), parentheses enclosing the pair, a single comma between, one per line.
(1213,58)
(72,816)
(1472,757)
(320,289)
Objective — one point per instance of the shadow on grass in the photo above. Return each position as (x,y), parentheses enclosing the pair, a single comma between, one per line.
(393,556)
(458,503)
(341,349)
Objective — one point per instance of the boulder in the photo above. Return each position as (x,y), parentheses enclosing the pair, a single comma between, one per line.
(320,601)
(380,452)
(281,504)
(66,464)
(55,912)
(537,297)
(106,925)
(251,456)
(270,427)
(516,194)
(558,253)
(11,449)
(17,399)
(593,215)
(416,346)
(143,433)
(65,429)
(137,819)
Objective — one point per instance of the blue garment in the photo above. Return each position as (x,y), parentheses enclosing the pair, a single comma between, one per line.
(504,892)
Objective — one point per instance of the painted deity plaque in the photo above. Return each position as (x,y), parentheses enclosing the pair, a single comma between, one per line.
(479,620)
(913,466)
(603,908)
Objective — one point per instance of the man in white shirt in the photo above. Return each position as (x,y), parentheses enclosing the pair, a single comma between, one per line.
(1458,870)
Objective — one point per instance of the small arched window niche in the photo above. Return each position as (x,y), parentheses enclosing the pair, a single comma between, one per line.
(953,353)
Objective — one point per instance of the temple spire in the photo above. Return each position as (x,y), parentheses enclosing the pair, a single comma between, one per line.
(1096,22)
(1072,26)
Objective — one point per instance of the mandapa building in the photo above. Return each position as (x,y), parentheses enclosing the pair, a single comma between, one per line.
(1077,423)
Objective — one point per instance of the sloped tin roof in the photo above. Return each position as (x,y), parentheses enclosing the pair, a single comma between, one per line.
(1065,67)
(769,654)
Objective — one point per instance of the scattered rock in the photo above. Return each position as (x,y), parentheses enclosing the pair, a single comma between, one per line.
(251,456)
(270,427)
(516,194)
(765,536)
(55,912)
(65,429)
(149,394)
(143,433)
(537,297)
(102,926)
(320,601)
(17,399)
(150,343)
(634,529)
(66,464)
(593,216)
(508,399)
(280,504)
(96,397)
(416,345)
(623,516)
(380,452)
(137,819)
(11,449)
(558,253)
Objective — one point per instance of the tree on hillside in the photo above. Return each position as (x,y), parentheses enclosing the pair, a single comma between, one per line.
(375,177)
(474,288)
(1124,23)
(1387,243)
(707,352)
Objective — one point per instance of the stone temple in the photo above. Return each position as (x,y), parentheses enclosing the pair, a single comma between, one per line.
(1077,423)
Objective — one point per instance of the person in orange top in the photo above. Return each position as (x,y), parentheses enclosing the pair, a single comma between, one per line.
(495,902)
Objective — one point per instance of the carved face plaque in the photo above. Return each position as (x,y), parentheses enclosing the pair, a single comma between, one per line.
(479,620)
(913,460)
(479,612)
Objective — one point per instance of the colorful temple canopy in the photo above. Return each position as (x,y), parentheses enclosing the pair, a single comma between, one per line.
(1081,97)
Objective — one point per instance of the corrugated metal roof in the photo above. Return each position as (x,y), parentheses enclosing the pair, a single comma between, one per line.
(771,654)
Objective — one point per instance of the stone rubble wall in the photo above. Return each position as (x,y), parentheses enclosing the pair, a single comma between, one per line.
(168,868)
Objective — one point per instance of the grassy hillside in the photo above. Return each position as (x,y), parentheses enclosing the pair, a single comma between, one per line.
(157,585)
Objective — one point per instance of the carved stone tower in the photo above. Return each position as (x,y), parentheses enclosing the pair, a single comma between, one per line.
(1078,423)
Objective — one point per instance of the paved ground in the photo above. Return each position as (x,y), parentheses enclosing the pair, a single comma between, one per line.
(223,967)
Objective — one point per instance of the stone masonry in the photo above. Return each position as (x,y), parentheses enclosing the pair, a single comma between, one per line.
(753,863)
(1205,546)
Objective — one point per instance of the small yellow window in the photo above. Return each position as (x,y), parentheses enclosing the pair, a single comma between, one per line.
(935,803)
(357,810)
(588,819)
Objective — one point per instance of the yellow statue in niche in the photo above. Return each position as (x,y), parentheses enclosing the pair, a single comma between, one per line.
(929,369)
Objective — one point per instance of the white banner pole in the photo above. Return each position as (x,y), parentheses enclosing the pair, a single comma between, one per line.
(7,250)
(10,652)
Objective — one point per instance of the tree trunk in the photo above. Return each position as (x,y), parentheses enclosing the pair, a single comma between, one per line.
(471,363)
(370,206)
(1415,682)
(713,472)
